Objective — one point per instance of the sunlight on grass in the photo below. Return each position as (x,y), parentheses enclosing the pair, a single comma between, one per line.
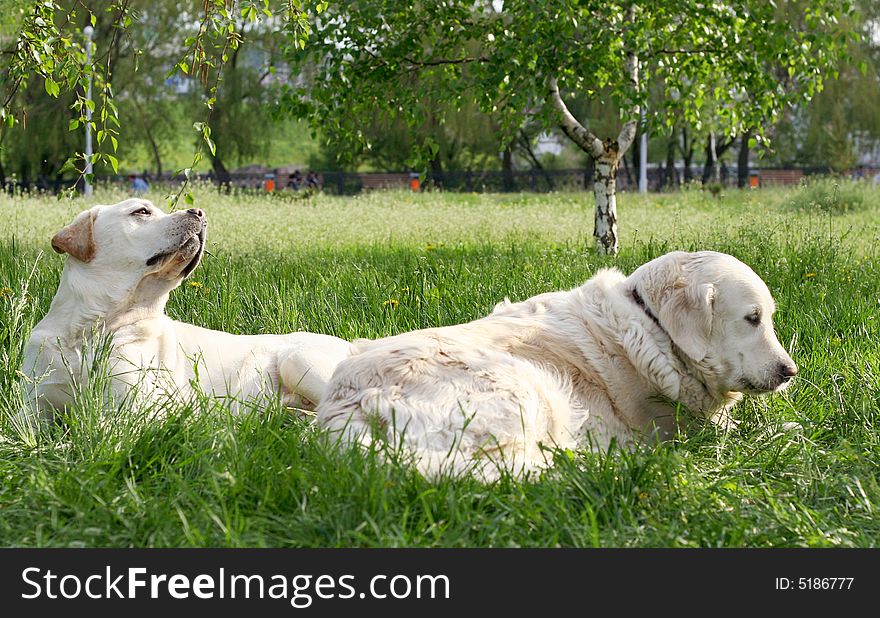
(383,263)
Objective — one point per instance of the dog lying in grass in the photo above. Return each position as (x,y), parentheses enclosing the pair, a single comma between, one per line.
(587,366)
(123,262)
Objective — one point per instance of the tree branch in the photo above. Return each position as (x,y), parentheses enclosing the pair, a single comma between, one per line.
(411,64)
(442,61)
(627,135)
(628,132)
(684,52)
(629,129)
(575,131)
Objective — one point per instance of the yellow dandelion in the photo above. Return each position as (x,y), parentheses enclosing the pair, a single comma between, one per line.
(809,275)
(196,284)
(6,292)
(391,302)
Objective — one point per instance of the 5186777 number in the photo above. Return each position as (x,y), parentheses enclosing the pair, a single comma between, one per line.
(814,583)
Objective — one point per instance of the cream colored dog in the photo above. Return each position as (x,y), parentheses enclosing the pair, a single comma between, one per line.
(123,262)
(586,366)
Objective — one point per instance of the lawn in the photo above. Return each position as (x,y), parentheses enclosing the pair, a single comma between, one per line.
(388,262)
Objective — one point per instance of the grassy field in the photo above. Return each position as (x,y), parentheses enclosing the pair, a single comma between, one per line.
(389,262)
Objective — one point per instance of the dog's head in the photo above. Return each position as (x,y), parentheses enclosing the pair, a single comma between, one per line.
(117,247)
(718,312)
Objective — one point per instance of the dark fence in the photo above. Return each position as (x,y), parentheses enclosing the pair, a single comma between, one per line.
(350,183)
(659,179)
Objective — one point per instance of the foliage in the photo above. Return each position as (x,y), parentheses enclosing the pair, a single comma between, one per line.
(50,46)
(737,60)
(739,63)
(49,43)
(465,139)
(842,122)
(832,195)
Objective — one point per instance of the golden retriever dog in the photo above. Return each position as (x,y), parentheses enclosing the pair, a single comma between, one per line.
(123,262)
(573,368)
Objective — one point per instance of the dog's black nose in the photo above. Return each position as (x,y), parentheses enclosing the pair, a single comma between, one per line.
(787,371)
(197,212)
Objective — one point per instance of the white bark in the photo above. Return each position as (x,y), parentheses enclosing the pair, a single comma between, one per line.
(575,131)
(627,134)
(605,193)
(606,155)
(631,66)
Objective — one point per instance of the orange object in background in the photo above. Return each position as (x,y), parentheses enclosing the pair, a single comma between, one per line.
(270,185)
(414,183)
(754,181)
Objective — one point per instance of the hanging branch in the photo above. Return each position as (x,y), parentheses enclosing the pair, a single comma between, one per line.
(49,45)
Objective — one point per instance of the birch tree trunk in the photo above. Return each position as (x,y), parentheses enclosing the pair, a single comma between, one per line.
(605,192)
(606,157)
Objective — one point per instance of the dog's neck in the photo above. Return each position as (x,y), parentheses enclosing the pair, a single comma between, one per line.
(80,308)
(637,297)
(146,301)
(696,389)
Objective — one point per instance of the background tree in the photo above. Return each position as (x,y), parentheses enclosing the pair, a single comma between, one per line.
(44,44)
(385,54)
(464,139)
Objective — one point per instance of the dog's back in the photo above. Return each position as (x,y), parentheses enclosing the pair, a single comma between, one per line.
(447,400)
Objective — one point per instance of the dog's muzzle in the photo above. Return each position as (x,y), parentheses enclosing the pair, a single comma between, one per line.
(198,256)
(199,236)
(778,379)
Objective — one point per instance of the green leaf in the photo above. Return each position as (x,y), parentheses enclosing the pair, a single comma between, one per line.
(69,165)
(52,88)
(114,162)
(73,125)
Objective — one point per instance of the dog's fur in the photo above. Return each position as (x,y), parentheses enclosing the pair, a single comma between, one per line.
(123,261)
(585,366)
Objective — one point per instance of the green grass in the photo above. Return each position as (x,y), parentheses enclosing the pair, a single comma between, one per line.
(389,262)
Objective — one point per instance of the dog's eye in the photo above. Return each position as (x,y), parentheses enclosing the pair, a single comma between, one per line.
(754,318)
(141,212)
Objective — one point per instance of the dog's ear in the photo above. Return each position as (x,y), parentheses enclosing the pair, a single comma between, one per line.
(77,239)
(686,314)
